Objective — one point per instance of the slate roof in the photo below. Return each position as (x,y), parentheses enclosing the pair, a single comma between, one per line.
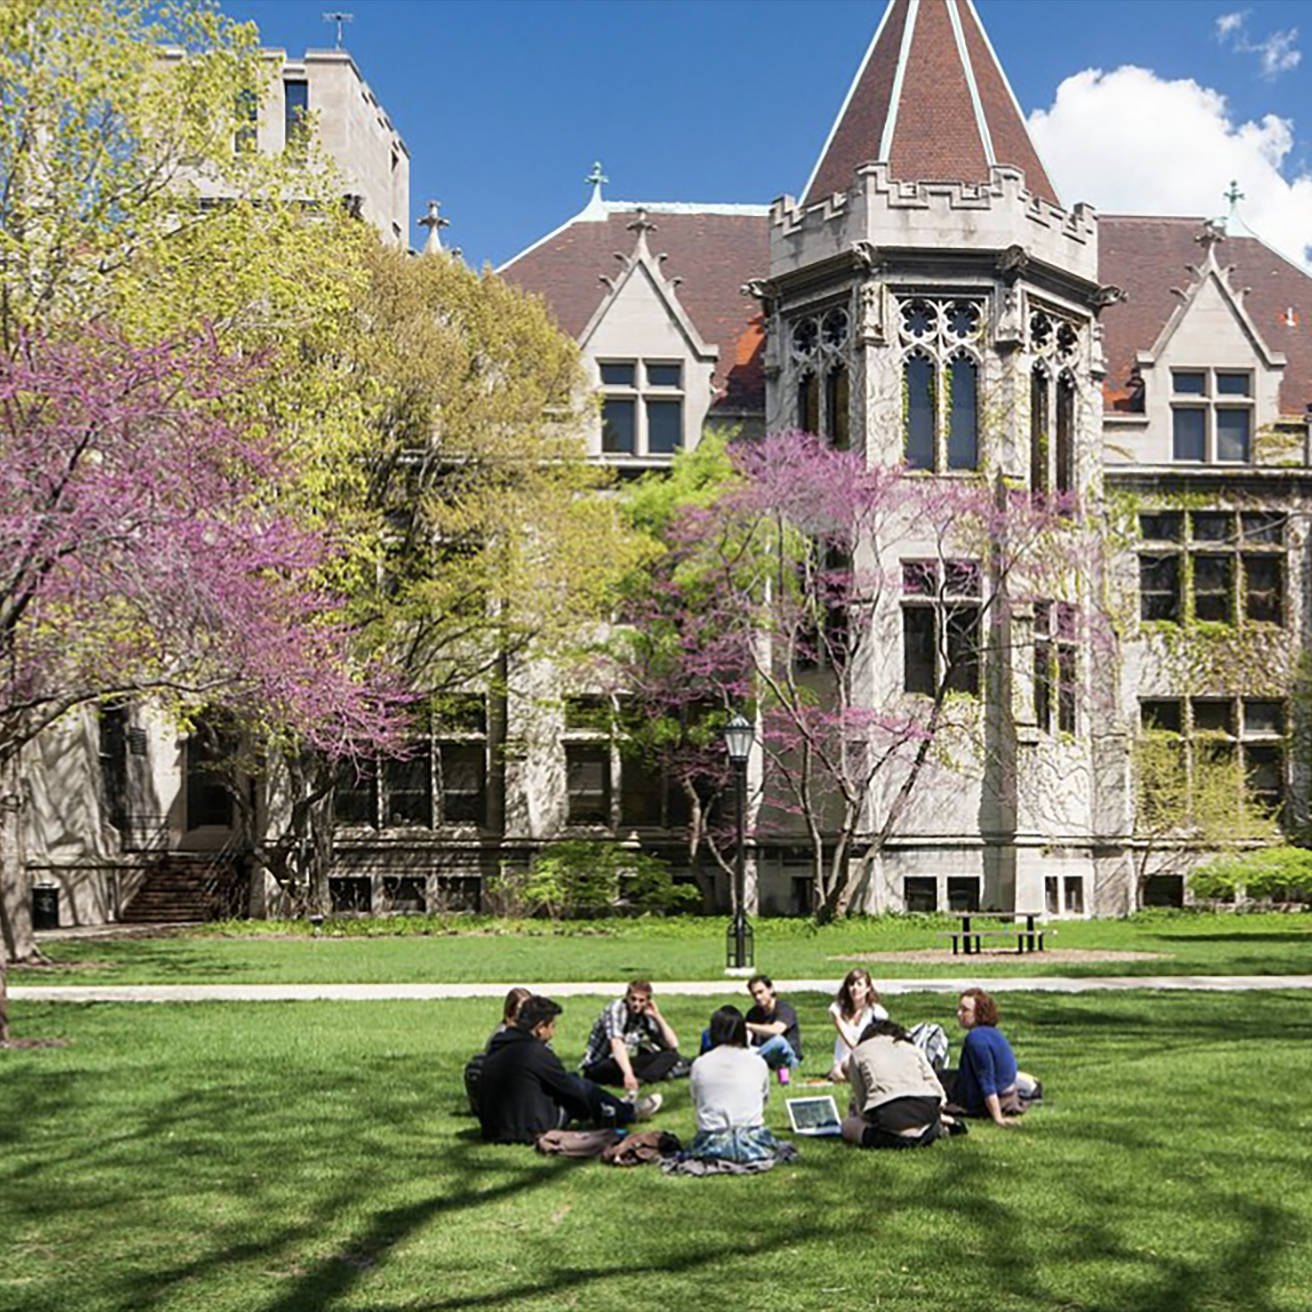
(1148,256)
(714,249)
(931,100)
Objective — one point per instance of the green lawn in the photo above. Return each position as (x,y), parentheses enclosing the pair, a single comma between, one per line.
(316,1158)
(667,949)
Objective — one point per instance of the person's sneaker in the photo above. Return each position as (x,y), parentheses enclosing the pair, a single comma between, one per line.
(647,1106)
(785,1075)
(680,1070)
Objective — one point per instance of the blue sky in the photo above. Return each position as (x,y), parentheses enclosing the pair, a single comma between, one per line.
(504,104)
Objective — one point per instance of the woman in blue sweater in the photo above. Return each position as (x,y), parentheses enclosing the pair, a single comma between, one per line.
(987,1076)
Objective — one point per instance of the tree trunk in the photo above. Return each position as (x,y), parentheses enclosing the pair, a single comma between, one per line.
(16,941)
(15,900)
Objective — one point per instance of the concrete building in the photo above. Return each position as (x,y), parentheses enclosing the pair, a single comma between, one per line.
(929,299)
(353,129)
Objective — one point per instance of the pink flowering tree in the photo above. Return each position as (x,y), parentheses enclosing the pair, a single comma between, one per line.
(786,592)
(146,549)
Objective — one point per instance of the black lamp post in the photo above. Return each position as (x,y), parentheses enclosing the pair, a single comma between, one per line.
(739,951)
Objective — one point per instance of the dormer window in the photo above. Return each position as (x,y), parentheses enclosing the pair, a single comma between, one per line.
(1211,416)
(642,409)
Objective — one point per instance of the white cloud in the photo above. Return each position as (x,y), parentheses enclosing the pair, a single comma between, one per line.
(1093,141)
(1278,53)
(1229,23)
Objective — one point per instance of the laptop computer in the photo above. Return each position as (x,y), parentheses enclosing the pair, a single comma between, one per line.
(815,1116)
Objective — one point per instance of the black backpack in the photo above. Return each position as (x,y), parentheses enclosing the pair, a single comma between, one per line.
(473,1078)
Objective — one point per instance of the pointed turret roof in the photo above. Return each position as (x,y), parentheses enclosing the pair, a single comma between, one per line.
(931,101)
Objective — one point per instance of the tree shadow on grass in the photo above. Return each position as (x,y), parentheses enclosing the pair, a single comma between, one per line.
(296,1199)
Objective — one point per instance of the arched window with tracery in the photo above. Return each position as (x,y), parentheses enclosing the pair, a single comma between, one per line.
(1055,346)
(940,382)
(818,354)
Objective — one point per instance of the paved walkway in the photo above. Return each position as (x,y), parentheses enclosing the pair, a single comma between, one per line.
(692,988)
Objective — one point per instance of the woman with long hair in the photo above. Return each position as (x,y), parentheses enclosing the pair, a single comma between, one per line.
(729,1087)
(855,1006)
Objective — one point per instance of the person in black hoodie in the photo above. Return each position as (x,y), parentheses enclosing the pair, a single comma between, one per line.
(526,1091)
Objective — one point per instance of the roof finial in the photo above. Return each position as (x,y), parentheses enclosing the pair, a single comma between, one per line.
(642,225)
(1211,236)
(434,222)
(1234,196)
(595,210)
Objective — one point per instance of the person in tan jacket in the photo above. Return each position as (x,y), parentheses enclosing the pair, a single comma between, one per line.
(897,1100)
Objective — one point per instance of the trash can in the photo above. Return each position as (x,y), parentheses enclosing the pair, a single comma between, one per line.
(45,907)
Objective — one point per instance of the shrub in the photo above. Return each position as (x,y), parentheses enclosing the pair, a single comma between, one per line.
(1276,874)
(576,878)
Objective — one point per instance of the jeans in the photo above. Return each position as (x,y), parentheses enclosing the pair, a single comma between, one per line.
(593,1103)
(776,1051)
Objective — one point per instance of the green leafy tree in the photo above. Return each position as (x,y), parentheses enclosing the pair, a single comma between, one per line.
(485,541)
(1188,803)
(128,204)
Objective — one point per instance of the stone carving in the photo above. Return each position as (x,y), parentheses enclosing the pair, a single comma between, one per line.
(872,313)
(1013,261)
(1009,328)
(867,255)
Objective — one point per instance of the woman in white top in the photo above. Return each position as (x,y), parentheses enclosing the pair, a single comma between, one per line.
(729,1087)
(856,1006)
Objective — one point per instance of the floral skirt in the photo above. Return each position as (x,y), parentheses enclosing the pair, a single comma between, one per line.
(753,1143)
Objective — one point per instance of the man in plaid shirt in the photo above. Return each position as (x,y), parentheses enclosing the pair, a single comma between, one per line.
(632,1043)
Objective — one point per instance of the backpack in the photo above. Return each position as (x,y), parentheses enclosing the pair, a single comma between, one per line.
(473,1078)
(932,1040)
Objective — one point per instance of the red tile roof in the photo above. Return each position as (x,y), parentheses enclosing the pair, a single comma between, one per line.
(1149,256)
(714,254)
(954,114)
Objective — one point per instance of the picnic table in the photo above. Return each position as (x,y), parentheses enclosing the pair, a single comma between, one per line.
(1028,936)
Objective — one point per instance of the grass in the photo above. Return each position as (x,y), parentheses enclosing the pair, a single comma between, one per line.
(317,1158)
(687,948)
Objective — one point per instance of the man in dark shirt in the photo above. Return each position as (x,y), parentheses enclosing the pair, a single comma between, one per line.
(525,1091)
(772,1028)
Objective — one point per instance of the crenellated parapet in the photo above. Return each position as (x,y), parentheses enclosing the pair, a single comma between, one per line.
(962,217)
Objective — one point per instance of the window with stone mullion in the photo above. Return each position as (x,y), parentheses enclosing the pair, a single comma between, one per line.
(940,382)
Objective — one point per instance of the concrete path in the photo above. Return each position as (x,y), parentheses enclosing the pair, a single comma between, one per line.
(613,988)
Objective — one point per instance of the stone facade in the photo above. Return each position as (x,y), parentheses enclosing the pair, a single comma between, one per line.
(1117,359)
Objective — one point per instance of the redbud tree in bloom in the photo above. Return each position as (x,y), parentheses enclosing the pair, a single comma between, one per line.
(144,550)
(783,594)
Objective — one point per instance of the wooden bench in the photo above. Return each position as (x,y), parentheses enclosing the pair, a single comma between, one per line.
(1028,937)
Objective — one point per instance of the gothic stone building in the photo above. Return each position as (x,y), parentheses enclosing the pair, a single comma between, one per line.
(929,299)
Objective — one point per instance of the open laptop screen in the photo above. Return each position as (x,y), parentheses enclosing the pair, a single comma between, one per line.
(814,1115)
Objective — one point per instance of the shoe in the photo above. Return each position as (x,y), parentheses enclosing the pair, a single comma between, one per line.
(647,1106)
(680,1070)
(785,1075)
(954,1128)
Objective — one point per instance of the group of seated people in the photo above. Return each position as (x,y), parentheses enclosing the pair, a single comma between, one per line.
(520,1089)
